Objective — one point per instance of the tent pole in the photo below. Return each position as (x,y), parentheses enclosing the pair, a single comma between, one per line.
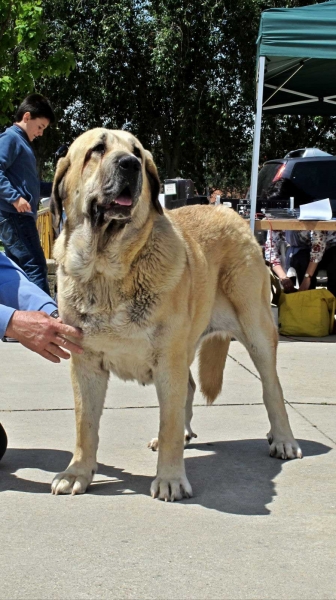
(256,141)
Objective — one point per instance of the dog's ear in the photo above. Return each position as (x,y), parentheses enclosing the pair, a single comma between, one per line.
(58,192)
(154,181)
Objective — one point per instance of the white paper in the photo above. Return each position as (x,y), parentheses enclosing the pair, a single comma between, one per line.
(170,189)
(320,210)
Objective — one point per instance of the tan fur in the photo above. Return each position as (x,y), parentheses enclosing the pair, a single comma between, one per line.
(147,292)
(212,358)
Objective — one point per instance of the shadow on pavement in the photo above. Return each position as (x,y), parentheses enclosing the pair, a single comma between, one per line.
(238,477)
(233,476)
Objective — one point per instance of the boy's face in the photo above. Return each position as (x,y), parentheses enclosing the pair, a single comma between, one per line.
(34,127)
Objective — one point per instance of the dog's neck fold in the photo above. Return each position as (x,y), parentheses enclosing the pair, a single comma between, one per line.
(110,252)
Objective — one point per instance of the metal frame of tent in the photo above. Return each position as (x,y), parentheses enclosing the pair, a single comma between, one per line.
(285,38)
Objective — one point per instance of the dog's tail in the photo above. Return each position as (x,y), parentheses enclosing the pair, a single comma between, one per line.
(211,362)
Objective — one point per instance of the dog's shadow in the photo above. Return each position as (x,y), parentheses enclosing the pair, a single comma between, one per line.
(234,476)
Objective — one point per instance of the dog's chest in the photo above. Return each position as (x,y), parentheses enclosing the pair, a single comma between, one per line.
(132,358)
(130,353)
(122,333)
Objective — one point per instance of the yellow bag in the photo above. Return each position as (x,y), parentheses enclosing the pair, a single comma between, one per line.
(308,314)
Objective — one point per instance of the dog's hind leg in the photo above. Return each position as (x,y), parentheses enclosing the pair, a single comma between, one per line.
(89,383)
(260,337)
(188,432)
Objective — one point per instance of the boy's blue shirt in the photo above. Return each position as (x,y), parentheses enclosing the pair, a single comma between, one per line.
(18,293)
(18,173)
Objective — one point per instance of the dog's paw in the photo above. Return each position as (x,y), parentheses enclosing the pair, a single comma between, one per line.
(188,435)
(171,489)
(153,444)
(72,481)
(284,449)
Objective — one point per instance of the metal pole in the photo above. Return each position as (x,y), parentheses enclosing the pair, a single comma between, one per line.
(256,141)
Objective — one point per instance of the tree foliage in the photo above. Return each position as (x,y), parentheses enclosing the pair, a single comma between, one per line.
(21,31)
(171,71)
(179,74)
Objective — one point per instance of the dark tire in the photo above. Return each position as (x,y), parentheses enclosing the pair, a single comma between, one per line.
(3,441)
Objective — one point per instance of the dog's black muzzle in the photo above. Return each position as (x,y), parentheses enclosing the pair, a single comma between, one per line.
(121,183)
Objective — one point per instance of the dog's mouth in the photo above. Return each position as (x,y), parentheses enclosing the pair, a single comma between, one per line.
(118,208)
(125,198)
(123,201)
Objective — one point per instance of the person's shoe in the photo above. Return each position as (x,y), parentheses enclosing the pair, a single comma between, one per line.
(3,441)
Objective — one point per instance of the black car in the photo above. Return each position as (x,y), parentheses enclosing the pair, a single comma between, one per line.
(306,175)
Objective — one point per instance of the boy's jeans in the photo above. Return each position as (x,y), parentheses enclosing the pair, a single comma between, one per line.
(21,241)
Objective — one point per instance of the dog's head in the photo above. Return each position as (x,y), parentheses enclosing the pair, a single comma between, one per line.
(103,177)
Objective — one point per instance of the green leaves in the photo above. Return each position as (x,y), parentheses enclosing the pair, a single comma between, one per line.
(21,32)
(179,74)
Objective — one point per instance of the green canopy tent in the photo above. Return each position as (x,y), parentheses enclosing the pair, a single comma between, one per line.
(296,68)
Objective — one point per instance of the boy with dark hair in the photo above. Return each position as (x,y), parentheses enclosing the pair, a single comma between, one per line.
(20,188)
(37,106)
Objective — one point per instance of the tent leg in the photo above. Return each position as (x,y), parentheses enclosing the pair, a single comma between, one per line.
(256,141)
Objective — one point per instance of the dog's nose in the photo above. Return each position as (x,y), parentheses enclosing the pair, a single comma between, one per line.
(129,163)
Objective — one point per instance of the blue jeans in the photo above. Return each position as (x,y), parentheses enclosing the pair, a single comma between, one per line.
(22,244)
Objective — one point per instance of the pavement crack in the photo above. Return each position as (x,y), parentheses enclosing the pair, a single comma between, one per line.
(291,404)
(309,421)
(243,366)
(144,406)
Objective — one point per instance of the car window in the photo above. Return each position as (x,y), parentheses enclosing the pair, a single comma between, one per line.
(265,178)
(315,179)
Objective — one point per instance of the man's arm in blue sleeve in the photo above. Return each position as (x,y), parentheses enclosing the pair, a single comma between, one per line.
(18,293)
(8,153)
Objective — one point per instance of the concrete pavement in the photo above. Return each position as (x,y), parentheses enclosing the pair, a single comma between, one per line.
(256,528)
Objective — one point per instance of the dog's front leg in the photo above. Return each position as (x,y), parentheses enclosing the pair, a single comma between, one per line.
(171,385)
(89,382)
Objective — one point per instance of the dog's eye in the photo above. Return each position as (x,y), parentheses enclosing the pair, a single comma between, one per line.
(100,148)
(136,152)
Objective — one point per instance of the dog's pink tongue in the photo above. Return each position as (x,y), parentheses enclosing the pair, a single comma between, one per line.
(124,200)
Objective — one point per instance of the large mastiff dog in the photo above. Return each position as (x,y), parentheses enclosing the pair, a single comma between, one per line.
(149,288)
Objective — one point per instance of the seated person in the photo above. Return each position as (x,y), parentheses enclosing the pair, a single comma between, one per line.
(306,252)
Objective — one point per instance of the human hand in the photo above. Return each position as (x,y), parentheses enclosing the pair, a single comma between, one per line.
(43,334)
(22,205)
(288,285)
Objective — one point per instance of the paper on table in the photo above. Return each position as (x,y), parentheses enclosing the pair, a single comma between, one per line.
(316,211)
